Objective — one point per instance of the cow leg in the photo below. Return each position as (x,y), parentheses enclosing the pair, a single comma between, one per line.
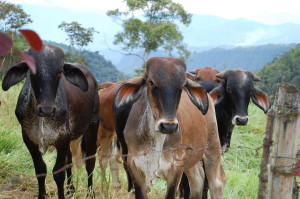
(58,171)
(105,142)
(184,187)
(70,187)
(114,165)
(138,180)
(195,177)
(214,172)
(173,181)
(39,165)
(91,147)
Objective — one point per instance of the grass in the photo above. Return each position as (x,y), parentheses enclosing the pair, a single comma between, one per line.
(241,163)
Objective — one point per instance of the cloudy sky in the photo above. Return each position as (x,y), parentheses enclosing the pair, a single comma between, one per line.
(265,11)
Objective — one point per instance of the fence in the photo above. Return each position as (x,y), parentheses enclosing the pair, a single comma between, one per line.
(284,123)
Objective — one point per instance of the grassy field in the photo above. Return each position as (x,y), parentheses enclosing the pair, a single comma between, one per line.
(17,176)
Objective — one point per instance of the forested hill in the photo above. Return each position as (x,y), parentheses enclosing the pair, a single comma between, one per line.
(285,68)
(102,69)
(250,58)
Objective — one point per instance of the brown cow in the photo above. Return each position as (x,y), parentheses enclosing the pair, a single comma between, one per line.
(107,132)
(203,74)
(164,117)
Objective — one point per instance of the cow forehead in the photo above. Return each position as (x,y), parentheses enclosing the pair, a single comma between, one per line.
(165,69)
(239,78)
(49,57)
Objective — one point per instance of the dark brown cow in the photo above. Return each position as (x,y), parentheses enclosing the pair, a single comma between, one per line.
(203,74)
(164,117)
(107,132)
(56,105)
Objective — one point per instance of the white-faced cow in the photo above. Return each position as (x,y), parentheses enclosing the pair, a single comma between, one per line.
(165,115)
(56,105)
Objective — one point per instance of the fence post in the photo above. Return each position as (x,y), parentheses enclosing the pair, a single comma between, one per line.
(265,159)
(286,131)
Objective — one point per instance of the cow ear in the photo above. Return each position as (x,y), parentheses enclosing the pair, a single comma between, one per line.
(261,99)
(75,76)
(197,95)
(217,94)
(14,75)
(128,93)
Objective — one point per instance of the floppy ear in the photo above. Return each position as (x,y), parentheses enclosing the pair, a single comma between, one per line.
(261,99)
(128,93)
(217,94)
(197,95)
(14,75)
(75,76)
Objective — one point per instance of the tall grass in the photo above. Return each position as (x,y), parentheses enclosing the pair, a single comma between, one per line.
(241,163)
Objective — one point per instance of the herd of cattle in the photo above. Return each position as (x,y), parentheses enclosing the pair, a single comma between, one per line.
(164,124)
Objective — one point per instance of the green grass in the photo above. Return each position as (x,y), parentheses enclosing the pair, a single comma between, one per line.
(241,163)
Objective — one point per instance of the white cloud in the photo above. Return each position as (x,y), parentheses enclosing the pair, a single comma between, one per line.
(265,11)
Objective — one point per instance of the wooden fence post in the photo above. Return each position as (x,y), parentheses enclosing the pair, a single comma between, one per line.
(265,159)
(286,131)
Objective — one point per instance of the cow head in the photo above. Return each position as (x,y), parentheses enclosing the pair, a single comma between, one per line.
(235,92)
(205,74)
(50,67)
(163,80)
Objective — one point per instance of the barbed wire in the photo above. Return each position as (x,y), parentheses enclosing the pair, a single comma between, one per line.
(181,147)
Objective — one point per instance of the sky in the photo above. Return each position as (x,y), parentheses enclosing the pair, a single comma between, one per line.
(265,11)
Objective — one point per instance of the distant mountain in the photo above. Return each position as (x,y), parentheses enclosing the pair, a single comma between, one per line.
(250,58)
(102,69)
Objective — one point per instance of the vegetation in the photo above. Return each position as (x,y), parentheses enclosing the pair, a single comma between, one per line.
(102,69)
(285,68)
(241,164)
(12,17)
(155,29)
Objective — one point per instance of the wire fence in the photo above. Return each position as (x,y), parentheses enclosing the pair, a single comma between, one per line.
(180,148)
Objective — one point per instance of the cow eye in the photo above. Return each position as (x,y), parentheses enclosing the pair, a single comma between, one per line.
(58,76)
(151,84)
(229,90)
(198,78)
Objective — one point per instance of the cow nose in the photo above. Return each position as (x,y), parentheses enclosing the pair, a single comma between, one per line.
(168,128)
(46,111)
(241,120)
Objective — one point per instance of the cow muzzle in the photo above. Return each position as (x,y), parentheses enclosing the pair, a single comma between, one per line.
(167,127)
(240,120)
(46,111)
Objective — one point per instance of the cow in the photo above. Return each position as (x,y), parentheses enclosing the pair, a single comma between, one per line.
(56,105)
(165,133)
(203,74)
(106,132)
(231,98)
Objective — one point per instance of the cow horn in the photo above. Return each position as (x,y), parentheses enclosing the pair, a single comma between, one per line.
(192,72)
(254,77)
(221,75)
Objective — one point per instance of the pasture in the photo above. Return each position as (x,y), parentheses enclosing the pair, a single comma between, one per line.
(17,176)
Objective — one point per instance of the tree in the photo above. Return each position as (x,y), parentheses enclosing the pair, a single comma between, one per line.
(78,37)
(12,17)
(155,28)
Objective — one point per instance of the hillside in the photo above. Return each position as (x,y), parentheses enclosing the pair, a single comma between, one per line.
(102,69)
(250,58)
(285,68)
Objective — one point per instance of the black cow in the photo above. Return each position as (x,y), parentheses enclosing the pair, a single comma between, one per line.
(56,105)
(231,97)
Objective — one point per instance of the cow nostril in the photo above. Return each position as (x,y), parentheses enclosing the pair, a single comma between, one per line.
(168,128)
(46,111)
